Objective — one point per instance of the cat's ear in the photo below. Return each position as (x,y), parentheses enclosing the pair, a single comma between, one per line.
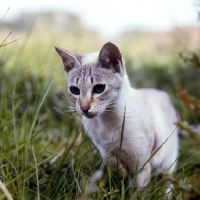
(70,59)
(110,57)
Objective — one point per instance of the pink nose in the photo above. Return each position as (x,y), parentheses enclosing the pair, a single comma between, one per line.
(85,108)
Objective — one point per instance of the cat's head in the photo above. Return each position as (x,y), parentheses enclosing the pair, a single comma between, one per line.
(94,79)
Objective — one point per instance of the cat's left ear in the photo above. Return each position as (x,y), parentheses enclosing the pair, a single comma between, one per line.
(70,59)
(111,58)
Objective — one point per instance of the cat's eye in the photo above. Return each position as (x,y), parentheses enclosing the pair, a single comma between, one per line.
(74,90)
(99,88)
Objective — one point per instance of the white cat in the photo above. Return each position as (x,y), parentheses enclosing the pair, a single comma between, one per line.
(126,125)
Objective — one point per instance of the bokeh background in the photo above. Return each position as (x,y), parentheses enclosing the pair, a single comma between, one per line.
(150,35)
(155,38)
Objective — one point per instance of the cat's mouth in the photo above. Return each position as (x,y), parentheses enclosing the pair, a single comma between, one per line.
(89,115)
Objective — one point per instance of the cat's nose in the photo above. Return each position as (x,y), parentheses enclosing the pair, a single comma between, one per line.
(85,108)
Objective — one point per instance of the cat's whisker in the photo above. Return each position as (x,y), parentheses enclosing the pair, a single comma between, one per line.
(112,103)
(106,113)
(68,105)
(61,96)
(74,115)
(65,97)
(68,100)
(110,110)
(71,107)
(68,111)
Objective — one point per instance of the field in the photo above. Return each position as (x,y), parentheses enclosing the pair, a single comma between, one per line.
(44,153)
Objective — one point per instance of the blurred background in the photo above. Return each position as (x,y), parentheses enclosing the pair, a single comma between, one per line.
(156,39)
(150,35)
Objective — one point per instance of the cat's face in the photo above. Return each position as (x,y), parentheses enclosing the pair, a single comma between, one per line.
(94,80)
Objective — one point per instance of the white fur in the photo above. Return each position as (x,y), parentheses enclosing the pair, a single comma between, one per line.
(89,58)
(149,125)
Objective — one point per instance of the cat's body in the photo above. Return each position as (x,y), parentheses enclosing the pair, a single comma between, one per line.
(126,125)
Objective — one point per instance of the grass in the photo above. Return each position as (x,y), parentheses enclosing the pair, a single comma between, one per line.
(44,153)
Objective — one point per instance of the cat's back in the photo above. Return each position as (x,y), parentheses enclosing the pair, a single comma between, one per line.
(163,117)
(157,98)
(160,107)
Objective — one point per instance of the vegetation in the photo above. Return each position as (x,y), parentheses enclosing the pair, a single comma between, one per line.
(43,151)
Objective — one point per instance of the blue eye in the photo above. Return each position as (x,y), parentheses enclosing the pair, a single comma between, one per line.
(99,88)
(74,90)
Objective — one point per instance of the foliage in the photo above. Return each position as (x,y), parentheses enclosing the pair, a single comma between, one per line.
(43,151)
(192,57)
(193,104)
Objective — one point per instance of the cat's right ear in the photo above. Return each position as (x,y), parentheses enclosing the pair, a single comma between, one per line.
(70,59)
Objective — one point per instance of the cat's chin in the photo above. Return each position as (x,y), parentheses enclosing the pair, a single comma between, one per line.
(90,115)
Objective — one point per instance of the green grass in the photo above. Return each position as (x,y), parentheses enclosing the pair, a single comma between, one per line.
(35,126)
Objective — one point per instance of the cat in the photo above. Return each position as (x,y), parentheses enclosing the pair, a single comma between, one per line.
(126,125)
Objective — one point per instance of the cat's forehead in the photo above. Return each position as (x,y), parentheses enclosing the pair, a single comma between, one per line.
(90,58)
(92,74)
(90,71)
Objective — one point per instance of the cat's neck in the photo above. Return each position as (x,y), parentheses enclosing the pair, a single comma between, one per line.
(124,94)
(126,87)
(118,108)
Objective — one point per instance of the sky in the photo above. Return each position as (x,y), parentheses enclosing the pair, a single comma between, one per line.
(113,17)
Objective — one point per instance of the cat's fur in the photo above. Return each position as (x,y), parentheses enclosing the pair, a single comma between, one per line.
(144,117)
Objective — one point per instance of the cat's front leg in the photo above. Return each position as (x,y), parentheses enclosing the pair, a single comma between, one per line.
(113,163)
(116,166)
(143,176)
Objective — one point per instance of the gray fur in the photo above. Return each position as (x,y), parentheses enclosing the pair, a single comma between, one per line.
(149,114)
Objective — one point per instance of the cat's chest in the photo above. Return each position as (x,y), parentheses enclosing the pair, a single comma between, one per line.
(105,132)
